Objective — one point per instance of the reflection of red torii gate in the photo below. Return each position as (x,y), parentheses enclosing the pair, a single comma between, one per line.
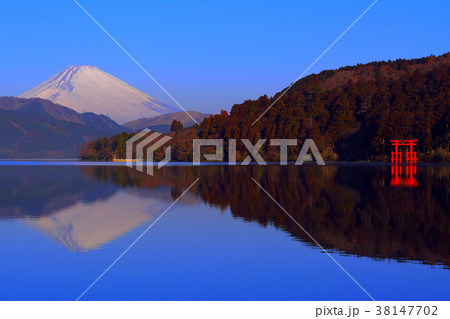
(396,155)
(409,181)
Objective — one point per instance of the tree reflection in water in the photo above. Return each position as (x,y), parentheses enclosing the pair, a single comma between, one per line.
(348,208)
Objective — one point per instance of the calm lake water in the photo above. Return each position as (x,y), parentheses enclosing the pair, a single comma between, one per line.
(225,239)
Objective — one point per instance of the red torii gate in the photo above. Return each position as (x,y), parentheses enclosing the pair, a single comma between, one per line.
(396,155)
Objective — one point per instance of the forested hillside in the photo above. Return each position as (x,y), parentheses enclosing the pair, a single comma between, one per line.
(351,113)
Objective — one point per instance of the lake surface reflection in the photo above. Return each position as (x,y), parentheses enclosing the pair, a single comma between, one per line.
(61,226)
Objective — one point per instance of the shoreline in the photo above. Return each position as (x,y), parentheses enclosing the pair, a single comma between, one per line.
(74,162)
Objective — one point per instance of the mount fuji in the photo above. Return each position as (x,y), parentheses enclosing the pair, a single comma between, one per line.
(86,88)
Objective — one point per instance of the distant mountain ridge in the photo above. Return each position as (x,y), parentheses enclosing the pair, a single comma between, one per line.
(86,88)
(37,128)
(27,135)
(59,112)
(162,123)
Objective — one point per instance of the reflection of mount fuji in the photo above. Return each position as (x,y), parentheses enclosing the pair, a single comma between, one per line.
(74,209)
(349,209)
(86,226)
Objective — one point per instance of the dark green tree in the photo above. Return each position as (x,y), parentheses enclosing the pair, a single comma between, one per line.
(176,126)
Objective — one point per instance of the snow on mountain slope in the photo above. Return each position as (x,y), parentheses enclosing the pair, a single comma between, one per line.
(88,89)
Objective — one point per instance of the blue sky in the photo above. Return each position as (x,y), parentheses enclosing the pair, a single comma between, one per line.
(210,55)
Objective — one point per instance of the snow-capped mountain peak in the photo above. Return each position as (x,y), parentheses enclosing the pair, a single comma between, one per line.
(86,88)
